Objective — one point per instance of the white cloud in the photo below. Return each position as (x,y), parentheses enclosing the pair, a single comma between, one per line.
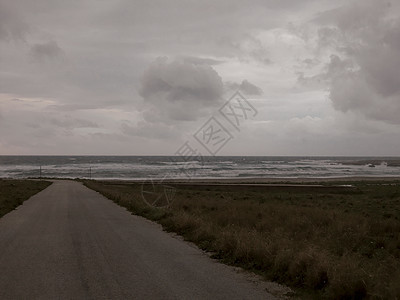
(364,76)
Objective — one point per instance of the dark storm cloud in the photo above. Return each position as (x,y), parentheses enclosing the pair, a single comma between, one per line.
(364,76)
(246,87)
(180,89)
(11,24)
(48,50)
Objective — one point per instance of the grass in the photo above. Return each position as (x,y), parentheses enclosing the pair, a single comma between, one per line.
(335,243)
(14,192)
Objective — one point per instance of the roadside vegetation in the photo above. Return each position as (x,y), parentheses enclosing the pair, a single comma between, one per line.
(14,192)
(333,242)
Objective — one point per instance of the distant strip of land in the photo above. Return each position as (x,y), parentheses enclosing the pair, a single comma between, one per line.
(263,180)
(336,238)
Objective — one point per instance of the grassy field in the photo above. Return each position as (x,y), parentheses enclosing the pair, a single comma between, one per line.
(331,242)
(14,192)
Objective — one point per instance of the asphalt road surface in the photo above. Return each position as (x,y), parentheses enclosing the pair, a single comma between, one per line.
(69,242)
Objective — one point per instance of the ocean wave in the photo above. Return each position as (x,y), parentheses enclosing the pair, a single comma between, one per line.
(218,167)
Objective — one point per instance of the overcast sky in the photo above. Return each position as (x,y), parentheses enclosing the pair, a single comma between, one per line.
(133,77)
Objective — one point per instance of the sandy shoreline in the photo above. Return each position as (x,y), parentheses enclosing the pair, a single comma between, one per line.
(236,181)
(255,180)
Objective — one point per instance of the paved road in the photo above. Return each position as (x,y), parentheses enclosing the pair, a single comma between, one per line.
(68,242)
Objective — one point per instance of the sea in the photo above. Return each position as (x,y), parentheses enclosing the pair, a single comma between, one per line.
(145,167)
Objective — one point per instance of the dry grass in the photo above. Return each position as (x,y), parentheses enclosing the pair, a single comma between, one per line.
(333,243)
(14,192)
